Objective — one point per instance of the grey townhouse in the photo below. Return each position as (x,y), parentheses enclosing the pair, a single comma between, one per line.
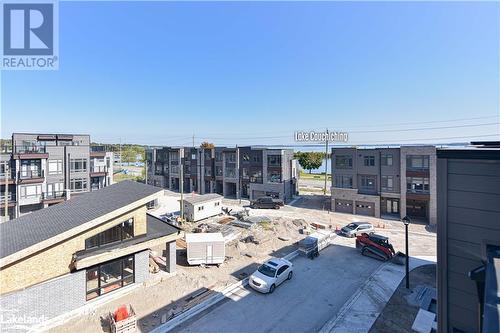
(388,182)
(468,238)
(45,169)
(240,172)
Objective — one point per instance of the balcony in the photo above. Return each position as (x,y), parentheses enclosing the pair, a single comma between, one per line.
(98,171)
(27,152)
(97,151)
(11,198)
(8,178)
(30,176)
(53,197)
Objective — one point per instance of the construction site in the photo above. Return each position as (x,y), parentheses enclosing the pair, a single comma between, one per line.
(249,236)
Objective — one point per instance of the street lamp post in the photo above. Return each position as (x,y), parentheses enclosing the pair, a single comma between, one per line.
(406,220)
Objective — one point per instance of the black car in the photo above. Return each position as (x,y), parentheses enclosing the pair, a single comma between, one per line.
(266,202)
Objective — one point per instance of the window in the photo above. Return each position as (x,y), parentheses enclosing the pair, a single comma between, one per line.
(386,159)
(109,276)
(417,184)
(230,172)
(200,208)
(78,165)
(282,269)
(218,156)
(369,160)
(207,154)
(78,184)
(31,191)
(417,162)
(245,157)
(342,181)
(387,183)
(218,171)
(118,233)
(274,160)
(244,173)
(343,162)
(217,204)
(256,176)
(274,176)
(208,171)
(231,157)
(55,167)
(368,183)
(256,158)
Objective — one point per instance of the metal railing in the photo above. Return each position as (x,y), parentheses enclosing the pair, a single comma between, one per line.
(11,197)
(30,149)
(30,174)
(54,195)
(95,169)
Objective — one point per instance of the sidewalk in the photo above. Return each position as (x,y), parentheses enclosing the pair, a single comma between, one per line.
(361,311)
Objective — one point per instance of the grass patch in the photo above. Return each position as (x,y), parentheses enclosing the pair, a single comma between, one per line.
(318,176)
(266,225)
(119,177)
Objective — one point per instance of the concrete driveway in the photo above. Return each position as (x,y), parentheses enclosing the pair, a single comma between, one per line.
(317,291)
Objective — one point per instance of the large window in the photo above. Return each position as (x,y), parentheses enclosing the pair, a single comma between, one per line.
(109,276)
(274,160)
(369,160)
(386,159)
(274,176)
(343,162)
(118,233)
(368,183)
(342,181)
(417,162)
(256,176)
(417,184)
(55,167)
(387,183)
(30,191)
(78,165)
(218,171)
(78,184)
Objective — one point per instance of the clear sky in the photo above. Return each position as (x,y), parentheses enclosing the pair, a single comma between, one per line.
(253,73)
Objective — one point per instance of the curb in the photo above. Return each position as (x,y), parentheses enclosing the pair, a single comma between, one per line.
(349,313)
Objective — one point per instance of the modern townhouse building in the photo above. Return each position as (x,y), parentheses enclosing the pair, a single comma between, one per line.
(385,182)
(81,251)
(45,169)
(246,172)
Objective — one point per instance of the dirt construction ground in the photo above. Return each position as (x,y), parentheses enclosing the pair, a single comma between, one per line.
(167,294)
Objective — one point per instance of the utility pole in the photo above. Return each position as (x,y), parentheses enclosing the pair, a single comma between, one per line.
(181,158)
(326,161)
(146,164)
(6,210)
(120,152)
(193,140)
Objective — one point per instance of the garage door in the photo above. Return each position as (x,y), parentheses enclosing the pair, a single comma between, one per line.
(365,208)
(343,206)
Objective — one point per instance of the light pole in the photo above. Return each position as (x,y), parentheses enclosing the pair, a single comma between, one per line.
(406,221)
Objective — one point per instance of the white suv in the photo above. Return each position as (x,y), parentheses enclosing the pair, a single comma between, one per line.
(356,228)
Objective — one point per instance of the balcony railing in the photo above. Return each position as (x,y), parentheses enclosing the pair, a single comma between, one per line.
(98,149)
(98,169)
(255,179)
(30,174)
(54,195)
(30,149)
(11,197)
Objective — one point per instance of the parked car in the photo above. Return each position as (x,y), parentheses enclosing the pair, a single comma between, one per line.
(356,228)
(266,202)
(270,275)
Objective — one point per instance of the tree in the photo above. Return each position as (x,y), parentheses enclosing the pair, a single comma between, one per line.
(207,145)
(310,160)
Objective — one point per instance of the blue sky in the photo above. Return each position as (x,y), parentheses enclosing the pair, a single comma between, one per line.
(253,73)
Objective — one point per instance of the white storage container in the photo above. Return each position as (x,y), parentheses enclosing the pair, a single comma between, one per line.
(205,248)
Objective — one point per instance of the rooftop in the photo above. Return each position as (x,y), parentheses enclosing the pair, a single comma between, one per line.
(41,225)
(202,198)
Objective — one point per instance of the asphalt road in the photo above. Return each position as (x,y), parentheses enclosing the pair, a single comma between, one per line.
(317,291)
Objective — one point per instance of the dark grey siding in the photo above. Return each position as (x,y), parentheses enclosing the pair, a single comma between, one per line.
(468,219)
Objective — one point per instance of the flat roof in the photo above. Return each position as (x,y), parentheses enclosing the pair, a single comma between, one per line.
(473,153)
(201,237)
(43,224)
(203,198)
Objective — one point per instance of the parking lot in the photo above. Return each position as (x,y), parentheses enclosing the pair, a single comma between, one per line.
(317,291)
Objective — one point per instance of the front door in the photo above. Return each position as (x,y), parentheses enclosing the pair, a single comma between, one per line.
(392,206)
